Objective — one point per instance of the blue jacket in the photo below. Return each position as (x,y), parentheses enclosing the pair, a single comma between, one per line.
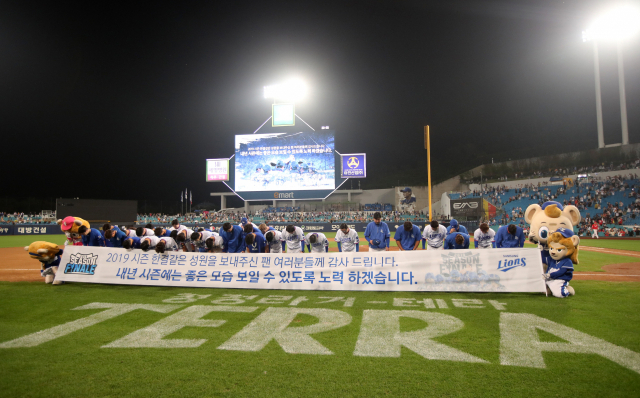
(378,232)
(459,228)
(93,238)
(562,269)
(505,239)
(450,241)
(258,244)
(233,240)
(408,239)
(117,239)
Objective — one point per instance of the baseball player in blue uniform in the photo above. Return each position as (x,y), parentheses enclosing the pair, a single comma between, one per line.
(113,235)
(456,240)
(232,237)
(509,236)
(408,237)
(91,237)
(255,242)
(377,234)
(131,243)
(454,226)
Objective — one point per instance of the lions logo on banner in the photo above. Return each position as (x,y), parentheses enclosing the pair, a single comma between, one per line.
(354,165)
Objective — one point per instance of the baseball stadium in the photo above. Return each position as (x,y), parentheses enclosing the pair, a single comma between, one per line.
(351,253)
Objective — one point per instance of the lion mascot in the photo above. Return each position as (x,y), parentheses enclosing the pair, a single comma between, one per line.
(49,254)
(563,252)
(545,220)
(70,225)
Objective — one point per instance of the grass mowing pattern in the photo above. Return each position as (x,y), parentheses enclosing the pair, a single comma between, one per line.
(76,365)
(620,244)
(25,240)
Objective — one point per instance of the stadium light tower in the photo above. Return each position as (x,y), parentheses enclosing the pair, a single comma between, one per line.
(616,25)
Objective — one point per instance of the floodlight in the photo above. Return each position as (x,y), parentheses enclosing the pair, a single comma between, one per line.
(618,23)
(291,90)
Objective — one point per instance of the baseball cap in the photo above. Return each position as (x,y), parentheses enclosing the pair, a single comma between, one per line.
(67,223)
(566,232)
(406,189)
(244,220)
(453,223)
(551,202)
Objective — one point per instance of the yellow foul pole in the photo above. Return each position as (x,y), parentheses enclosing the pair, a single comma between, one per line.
(427,146)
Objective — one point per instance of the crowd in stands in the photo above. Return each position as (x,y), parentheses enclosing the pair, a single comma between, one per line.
(22,218)
(288,216)
(560,171)
(612,202)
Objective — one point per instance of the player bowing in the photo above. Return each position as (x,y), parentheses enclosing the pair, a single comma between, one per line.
(483,237)
(275,242)
(434,235)
(294,237)
(377,234)
(317,243)
(347,238)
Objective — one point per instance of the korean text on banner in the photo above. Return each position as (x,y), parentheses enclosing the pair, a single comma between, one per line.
(496,270)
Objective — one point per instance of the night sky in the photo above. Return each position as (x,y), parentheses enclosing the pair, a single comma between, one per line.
(120,102)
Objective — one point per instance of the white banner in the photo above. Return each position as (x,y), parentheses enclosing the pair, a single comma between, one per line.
(491,270)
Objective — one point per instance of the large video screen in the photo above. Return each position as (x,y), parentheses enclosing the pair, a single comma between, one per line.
(285,161)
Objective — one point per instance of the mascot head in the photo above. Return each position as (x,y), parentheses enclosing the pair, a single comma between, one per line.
(563,243)
(547,219)
(42,251)
(70,225)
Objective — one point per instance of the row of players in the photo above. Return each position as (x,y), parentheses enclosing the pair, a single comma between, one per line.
(251,238)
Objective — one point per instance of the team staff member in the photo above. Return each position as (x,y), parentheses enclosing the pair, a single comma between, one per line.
(317,243)
(275,242)
(91,237)
(113,235)
(456,240)
(454,226)
(377,234)
(294,238)
(348,240)
(434,235)
(510,236)
(408,237)
(483,237)
(232,237)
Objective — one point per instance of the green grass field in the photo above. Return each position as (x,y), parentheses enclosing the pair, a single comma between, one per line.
(78,363)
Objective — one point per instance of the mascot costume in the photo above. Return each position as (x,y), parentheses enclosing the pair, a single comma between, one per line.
(49,255)
(546,220)
(70,226)
(563,252)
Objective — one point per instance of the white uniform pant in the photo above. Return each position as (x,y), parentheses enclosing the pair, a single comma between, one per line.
(558,287)
(594,233)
